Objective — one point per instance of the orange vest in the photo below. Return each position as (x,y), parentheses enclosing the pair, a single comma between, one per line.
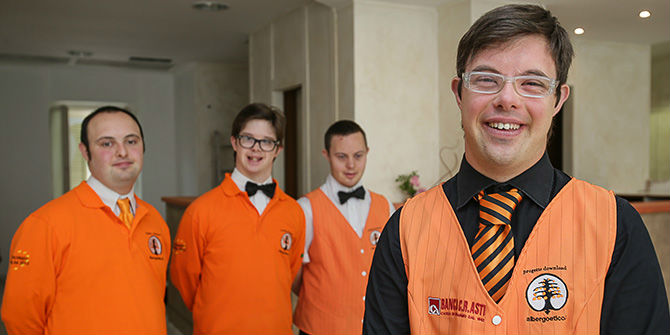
(233,267)
(557,284)
(332,296)
(76,269)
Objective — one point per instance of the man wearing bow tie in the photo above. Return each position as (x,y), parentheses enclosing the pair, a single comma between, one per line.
(239,246)
(343,222)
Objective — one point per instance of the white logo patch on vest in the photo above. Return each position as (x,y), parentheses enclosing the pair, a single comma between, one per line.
(374,237)
(546,292)
(286,241)
(155,245)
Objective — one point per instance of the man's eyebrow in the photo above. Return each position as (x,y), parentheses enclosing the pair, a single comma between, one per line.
(264,138)
(535,73)
(531,72)
(485,68)
(104,138)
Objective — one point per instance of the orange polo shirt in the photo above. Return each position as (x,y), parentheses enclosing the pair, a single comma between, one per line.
(75,268)
(233,267)
(557,283)
(332,295)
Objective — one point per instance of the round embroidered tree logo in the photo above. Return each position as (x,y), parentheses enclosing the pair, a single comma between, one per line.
(546,292)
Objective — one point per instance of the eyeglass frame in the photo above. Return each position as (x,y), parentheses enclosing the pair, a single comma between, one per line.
(553,83)
(274,142)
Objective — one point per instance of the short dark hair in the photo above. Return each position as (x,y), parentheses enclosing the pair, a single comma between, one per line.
(506,23)
(83,135)
(342,128)
(260,111)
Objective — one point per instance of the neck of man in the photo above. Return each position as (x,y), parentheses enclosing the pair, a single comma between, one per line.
(501,172)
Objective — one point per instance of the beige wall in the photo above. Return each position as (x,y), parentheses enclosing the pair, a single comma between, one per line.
(610,120)
(660,118)
(396,98)
(208,96)
(299,50)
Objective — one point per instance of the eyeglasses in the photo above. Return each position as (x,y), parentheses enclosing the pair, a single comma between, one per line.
(492,83)
(248,142)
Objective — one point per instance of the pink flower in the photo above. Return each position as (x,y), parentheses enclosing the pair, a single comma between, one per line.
(414,181)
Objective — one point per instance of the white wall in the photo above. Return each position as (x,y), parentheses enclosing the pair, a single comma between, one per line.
(610,121)
(27,92)
(208,96)
(396,97)
(299,50)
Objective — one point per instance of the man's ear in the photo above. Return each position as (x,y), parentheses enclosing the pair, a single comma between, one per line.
(565,93)
(454,88)
(84,151)
(324,152)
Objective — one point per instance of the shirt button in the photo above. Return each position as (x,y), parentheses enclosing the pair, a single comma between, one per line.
(363,298)
(362,251)
(496,320)
(363,273)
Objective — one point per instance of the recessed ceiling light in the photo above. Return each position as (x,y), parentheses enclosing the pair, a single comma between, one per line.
(212,6)
(579,31)
(645,14)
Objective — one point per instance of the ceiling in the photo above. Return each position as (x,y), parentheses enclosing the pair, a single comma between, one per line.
(172,31)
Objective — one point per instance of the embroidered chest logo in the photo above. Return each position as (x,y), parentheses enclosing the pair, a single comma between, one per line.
(155,247)
(434,306)
(19,259)
(457,308)
(286,241)
(374,237)
(178,246)
(547,292)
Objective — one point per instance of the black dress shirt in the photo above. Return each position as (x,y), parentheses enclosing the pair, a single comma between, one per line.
(634,300)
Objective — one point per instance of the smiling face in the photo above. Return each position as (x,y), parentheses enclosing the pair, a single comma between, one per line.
(506,133)
(254,163)
(347,157)
(115,153)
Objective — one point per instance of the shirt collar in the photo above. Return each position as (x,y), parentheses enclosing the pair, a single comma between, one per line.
(110,197)
(241,180)
(535,183)
(334,185)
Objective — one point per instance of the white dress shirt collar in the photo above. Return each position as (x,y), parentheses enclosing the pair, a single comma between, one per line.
(110,197)
(259,200)
(332,186)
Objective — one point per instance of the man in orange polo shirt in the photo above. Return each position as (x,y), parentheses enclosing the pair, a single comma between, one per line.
(239,246)
(94,260)
(343,222)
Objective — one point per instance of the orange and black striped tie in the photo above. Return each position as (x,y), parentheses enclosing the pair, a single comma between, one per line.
(493,248)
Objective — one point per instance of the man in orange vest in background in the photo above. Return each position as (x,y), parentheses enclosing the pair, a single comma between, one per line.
(511,245)
(94,260)
(343,223)
(239,246)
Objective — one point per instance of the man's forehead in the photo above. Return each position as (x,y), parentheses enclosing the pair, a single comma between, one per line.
(353,141)
(113,124)
(528,54)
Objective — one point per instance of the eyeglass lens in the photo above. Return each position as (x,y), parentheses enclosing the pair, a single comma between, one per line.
(248,142)
(530,86)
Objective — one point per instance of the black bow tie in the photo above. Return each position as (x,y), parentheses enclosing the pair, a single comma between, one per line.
(268,189)
(357,193)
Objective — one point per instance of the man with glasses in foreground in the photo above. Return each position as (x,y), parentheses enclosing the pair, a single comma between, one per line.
(510,244)
(239,246)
